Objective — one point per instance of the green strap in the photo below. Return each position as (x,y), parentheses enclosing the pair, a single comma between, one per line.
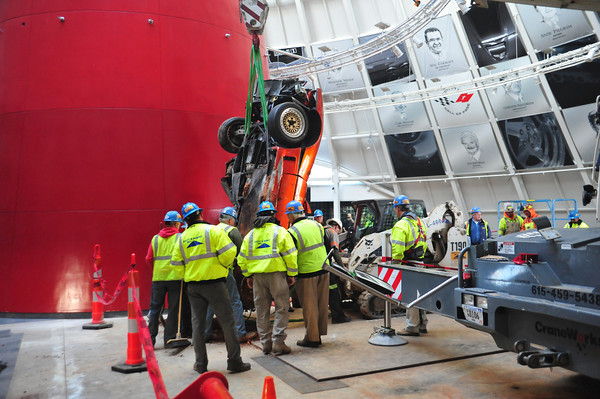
(255,71)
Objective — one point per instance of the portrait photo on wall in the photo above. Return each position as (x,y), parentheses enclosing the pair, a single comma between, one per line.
(535,142)
(516,98)
(401,117)
(457,108)
(338,79)
(552,26)
(492,34)
(577,85)
(438,50)
(414,154)
(472,149)
(584,128)
(389,65)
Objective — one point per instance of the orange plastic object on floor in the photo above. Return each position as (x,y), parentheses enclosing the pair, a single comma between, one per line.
(210,385)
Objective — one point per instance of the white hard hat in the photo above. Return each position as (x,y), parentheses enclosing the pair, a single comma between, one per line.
(336,221)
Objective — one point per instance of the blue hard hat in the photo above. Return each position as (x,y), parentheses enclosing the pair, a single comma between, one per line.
(401,200)
(229,210)
(475,209)
(173,216)
(188,208)
(294,207)
(318,212)
(265,206)
(574,215)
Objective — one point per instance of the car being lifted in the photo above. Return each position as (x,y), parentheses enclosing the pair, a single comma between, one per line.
(273,159)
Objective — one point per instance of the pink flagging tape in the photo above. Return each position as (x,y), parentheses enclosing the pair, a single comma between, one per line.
(153,370)
(107,299)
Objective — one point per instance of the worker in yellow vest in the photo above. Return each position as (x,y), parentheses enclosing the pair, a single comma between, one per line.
(205,253)
(409,242)
(268,259)
(227,222)
(166,281)
(313,282)
(575,222)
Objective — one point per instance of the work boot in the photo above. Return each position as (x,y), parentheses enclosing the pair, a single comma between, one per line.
(407,333)
(249,336)
(308,344)
(267,347)
(238,367)
(340,320)
(199,368)
(281,349)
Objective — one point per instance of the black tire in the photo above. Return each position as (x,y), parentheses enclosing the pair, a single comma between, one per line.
(231,134)
(290,126)
(373,307)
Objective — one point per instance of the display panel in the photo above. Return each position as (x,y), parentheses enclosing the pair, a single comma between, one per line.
(577,85)
(584,129)
(401,118)
(456,109)
(535,142)
(277,60)
(414,154)
(492,34)
(438,49)
(472,149)
(389,65)
(551,26)
(518,98)
(339,79)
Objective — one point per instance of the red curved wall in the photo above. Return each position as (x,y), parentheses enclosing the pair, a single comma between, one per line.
(106,122)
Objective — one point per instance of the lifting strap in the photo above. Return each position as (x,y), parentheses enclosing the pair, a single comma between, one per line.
(256,74)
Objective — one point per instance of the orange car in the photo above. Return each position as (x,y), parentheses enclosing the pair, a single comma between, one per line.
(273,161)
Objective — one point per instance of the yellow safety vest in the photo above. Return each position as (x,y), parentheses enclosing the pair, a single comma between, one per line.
(268,249)
(162,248)
(225,227)
(409,239)
(583,225)
(311,246)
(205,252)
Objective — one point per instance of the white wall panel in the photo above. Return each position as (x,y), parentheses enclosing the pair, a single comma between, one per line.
(310,23)
(363,156)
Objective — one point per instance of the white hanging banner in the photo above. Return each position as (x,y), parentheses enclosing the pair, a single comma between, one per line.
(339,79)
(552,26)
(472,149)
(401,118)
(519,98)
(438,49)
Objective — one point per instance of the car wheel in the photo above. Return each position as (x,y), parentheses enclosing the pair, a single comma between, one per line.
(373,307)
(231,134)
(289,125)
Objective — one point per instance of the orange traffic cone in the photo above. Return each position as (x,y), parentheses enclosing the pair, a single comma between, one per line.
(269,388)
(135,362)
(97,293)
(210,385)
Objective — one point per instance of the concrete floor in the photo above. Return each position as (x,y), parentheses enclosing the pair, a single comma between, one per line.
(58,359)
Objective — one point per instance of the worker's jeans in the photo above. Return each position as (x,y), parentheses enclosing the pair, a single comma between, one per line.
(236,303)
(313,293)
(266,286)
(160,289)
(214,294)
(416,319)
